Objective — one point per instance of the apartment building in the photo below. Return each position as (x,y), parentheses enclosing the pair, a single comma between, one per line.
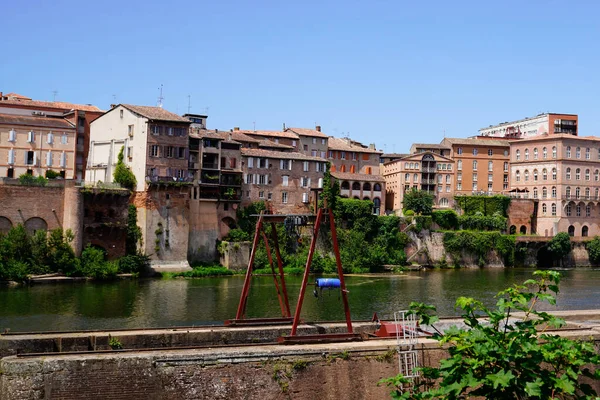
(310,142)
(549,123)
(561,172)
(427,171)
(283,179)
(79,115)
(34,144)
(155,142)
(357,168)
(482,165)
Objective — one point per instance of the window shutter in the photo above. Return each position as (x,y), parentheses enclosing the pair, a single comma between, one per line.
(280,164)
(250,162)
(34,158)
(63,159)
(290,165)
(50,138)
(49,158)
(25,158)
(11,156)
(12,135)
(308,182)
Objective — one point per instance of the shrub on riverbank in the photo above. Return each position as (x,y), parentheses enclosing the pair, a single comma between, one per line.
(200,271)
(480,244)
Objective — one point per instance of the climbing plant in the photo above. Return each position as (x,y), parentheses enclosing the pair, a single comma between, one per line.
(486,205)
(123,174)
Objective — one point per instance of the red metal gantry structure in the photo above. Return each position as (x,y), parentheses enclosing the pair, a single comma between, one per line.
(279,279)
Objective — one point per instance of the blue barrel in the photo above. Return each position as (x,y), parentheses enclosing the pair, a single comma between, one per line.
(328,283)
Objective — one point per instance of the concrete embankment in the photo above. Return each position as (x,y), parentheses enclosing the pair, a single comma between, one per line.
(250,371)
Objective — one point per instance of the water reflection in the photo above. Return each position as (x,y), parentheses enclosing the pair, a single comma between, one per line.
(157,303)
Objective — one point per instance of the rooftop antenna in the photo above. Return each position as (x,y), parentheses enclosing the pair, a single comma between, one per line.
(160,97)
(189,103)
(254,124)
(114,98)
(54,93)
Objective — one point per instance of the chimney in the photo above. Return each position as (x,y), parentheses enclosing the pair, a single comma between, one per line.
(236,128)
(230,136)
(372,146)
(283,127)
(112,106)
(318,128)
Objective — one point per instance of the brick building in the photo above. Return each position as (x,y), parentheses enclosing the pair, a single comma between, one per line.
(562,173)
(546,123)
(482,165)
(79,115)
(427,171)
(357,168)
(155,143)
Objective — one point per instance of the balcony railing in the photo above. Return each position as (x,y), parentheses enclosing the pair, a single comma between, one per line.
(168,179)
(193,165)
(206,165)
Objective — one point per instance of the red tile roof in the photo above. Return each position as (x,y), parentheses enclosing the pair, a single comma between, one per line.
(16,96)
(42,122)
(344,145)
(307,132)
(223,135)
(279,155)
(155,113)
(59,105)
(270,143)
(276,134)
(348,176)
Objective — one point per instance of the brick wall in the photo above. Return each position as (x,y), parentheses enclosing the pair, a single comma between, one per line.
(21,204)
(105,220)
(521,213)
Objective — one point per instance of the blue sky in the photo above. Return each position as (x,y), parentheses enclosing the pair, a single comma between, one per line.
(389,72)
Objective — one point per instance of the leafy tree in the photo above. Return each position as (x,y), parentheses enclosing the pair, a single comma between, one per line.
(134,233)
(245,221)
(501,356)
(419,201)
(593,248)
(331,190)
(123,174)
(560,245)
(61,255)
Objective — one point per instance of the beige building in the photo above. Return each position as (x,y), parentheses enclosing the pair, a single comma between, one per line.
(561,172)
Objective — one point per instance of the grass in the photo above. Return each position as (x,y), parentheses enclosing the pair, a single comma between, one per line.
(286,270)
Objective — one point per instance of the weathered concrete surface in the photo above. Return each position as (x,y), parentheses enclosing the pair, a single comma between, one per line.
(162,338)
(235,255)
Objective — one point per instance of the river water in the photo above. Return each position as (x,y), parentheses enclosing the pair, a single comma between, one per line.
(187,302)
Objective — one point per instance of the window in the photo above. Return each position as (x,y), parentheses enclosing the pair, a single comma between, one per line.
(568,192)
(554,156)
(294,143)
(505,178)
(553,192)
(578,174)
(130,130)
(343,155)
(30,137)
(181,152)
(577,193)
(439,188)
(474,165)
(553,210)
(322,154)
(49,158)
(285,180)
(544,153)
(553,174)
(506,167)
(474,186)
(415,177)
(459,150)
(545,174)
(447,189)
(130,152)
(459,176)
(305,181)
(170,151)
(121,113)
(587,153)
(459,186)
(50,138)
(490,188)
(535,193)
(305,147)
(170,131)
(12,135)
(406,177)
(459,165)
(518,155)
(578,152)
(261,195)
(285,164)
(155,129)
(588,211)
(526,154)
(232,162)
(439,178)
(568,174)
(475,151)
(63,159)
(490,165)
(276,140)
(526,175)
(544,193)
(518,176)
(313,153)
(284,197)
(314,140)
(331,156)
(490,178)
(490,152)
(154,150)
(305,166)
(568,209)
(262,179)
(544,208)
(535,153)
(353,155)
(587,174)
(320,183)
(568,151)
(597,193)
(305,197)
(475,177)
(322,141)
(578,210)
(596,175)
(587,193)
(447,179)
(535,174)
(250,162)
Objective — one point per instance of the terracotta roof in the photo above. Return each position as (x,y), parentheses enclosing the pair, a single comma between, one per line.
(348,176)
(60,105)
(394,155)
(43,122)
(343,145)
(279,154)
(205,133)
(307,132)
(155,113)
(16,96)
(270,143)
(223,135)
(480,142)
(278,134)
(429,146)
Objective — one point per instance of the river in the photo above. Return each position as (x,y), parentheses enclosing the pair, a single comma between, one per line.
(187,302)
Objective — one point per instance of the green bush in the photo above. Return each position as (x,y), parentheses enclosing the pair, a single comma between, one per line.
(480,244)
(446,219)
(94,265)
(593,248)
(486,205)
(423,222)
(500,355)
(51,174)
(560,245)
(419,201)
(30,180)
(482,222)
(123,175)
(204,271)
(133,263)
(409,213)
(237,235)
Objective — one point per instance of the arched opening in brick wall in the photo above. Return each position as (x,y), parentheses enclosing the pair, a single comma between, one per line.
(513,230)
(584,231)
(523,230)
(5,225)
(356,186)
(32,225)
(571,230)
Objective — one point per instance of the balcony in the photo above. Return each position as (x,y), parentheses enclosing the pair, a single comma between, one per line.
(231,180)
(208,165)
(168,179)
(193,165)
(429,169)
(209,179)
(80,147)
